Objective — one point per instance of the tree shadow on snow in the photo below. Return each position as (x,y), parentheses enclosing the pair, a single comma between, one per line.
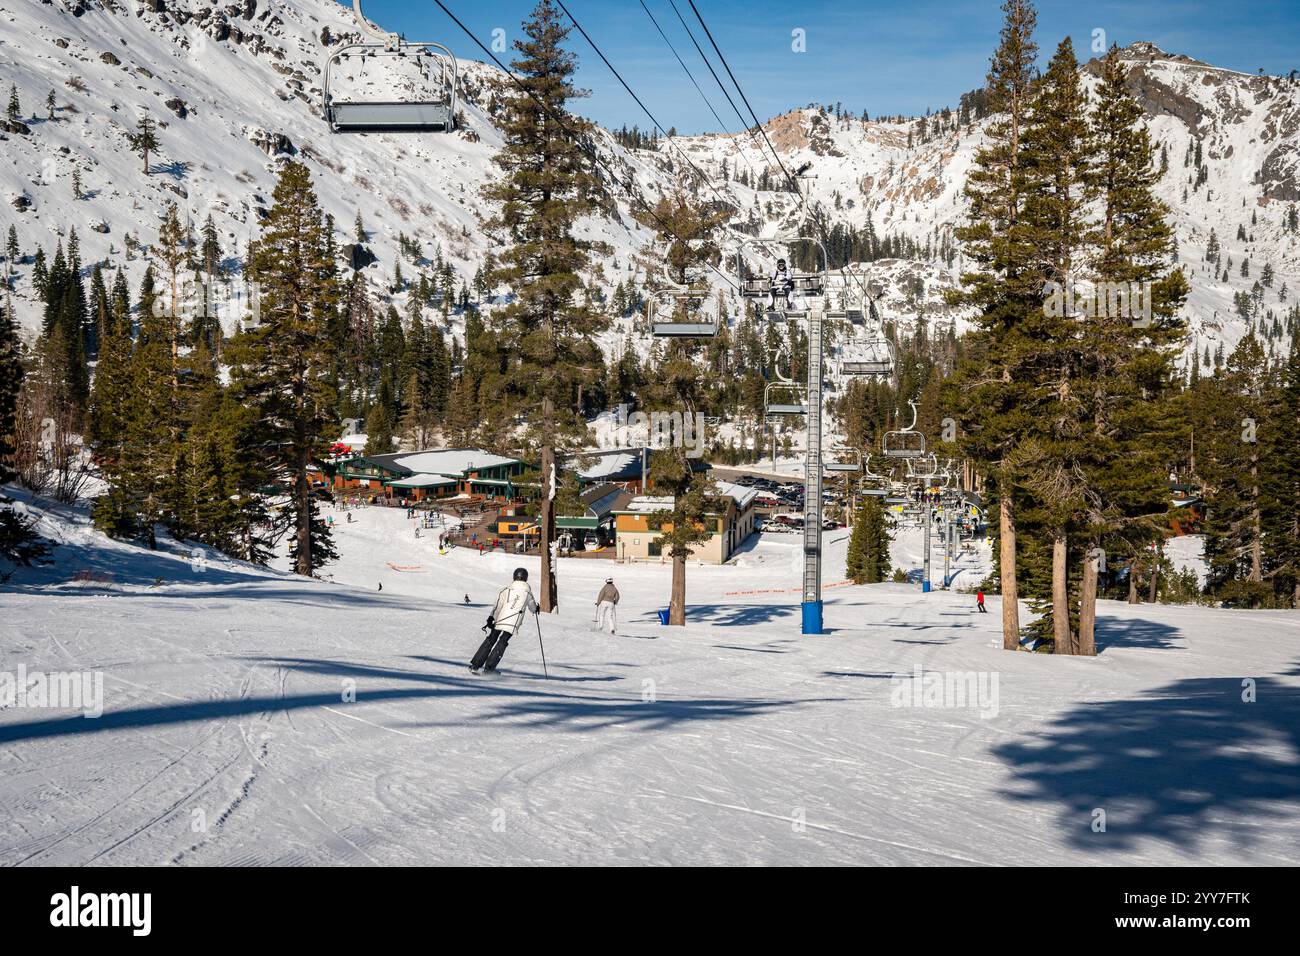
(1136,632)
(536,703)
(737,615)
(1183,761)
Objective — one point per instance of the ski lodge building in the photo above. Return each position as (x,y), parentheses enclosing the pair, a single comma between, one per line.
(629,468)
(733,522)
(433,474)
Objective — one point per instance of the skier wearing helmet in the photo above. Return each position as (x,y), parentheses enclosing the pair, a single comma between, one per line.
(515,599)
(781,286)
(606,601)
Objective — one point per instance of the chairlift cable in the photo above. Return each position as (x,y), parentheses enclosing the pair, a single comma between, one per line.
(721,125)
(668,137)
(577,140)
(793,182)
(722,86)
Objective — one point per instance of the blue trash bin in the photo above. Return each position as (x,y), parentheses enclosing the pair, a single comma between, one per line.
(663,616)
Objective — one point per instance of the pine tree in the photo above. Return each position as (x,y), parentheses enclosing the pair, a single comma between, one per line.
(15,109)
(993,409)
(1124,373)
(11,379)
(546,185)
(19,543)
(868,554)
(145,139)
(1231,466)
(686,230)
(1280,483)
(11,247)
(282,366)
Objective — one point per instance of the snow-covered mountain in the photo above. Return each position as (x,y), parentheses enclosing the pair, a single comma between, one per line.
(881,171)
(236,87)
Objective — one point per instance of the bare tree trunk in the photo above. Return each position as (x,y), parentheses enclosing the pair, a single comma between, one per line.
(1156,554)
(302,491)
(1007,560)
(1133,581)
(548,599)
(1061,594)
(1256,550)
(677,605)
(1087,645)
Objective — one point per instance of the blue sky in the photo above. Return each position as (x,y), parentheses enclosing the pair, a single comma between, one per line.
(884,57)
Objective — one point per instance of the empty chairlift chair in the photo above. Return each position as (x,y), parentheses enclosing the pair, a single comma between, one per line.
(784,398)
(845,460)
(688,325)
(873,356)
(873,484)
(904,442)
(431,109)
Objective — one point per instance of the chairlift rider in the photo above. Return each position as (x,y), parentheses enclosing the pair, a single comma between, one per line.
(782,285)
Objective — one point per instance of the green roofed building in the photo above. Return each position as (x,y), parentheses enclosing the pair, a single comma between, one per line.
(436,473)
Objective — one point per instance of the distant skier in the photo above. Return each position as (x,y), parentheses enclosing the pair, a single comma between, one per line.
(381,585)
(781,286)
(513,602)
(606,601)
(979,601)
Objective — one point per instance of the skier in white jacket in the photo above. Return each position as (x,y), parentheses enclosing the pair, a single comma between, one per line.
(515,600)
(781,286)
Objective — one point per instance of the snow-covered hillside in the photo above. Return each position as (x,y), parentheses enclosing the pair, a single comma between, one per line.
(235,88)
(254,717)
(880,172)
(238,87)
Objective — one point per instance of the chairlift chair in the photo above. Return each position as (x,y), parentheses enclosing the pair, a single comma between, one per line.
(431,113)
(904,442)
(873,356)
(785,398)
(803,285)
(701,327)
(923,466)
(846,460)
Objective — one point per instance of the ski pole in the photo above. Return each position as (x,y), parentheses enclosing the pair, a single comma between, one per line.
(537,619)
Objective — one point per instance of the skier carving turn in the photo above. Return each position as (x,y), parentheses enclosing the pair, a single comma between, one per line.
(515,600)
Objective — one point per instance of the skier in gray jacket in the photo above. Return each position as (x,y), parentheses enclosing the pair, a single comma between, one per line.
(513,602)
(606,601)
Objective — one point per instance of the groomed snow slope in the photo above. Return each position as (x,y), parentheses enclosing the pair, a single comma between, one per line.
(225,738)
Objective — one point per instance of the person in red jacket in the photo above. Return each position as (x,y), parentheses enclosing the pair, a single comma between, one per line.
(979,602)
